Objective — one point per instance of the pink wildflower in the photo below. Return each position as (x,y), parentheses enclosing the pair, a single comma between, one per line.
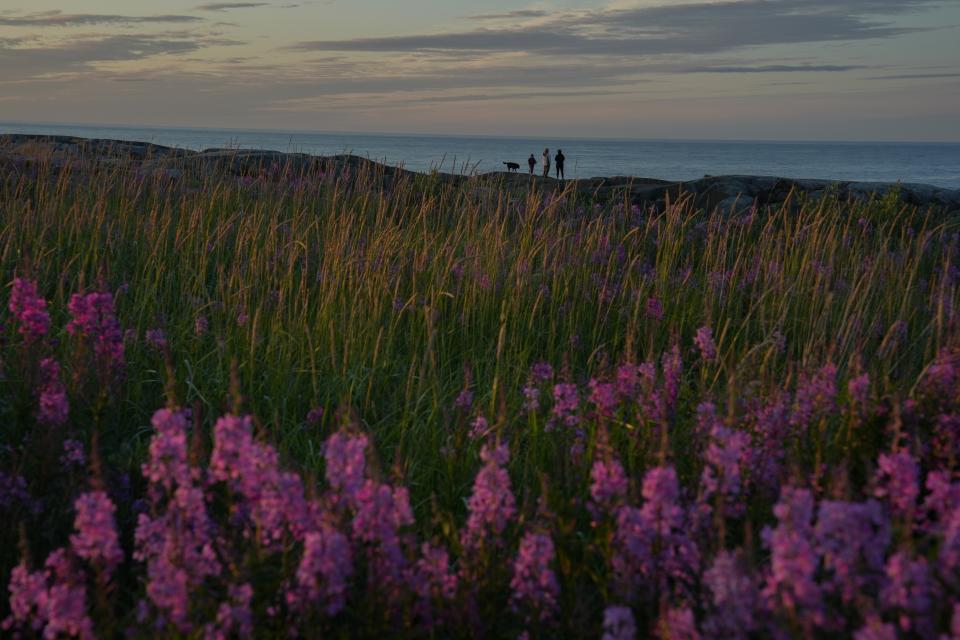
(491,504)
(618,624)
(73,454)
(898,481)
(706,345)
(29,309)
(534,584)
(791,584)
(604,397)
(608,485)
(346,462)
(324,572)
(94,319)
(96,539)
(54,407)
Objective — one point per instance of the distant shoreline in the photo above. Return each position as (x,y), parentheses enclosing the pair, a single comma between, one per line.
(724,191)
(666,159)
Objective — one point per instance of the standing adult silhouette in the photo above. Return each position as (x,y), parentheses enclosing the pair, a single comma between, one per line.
(531,162)
(559,159)
(546,163)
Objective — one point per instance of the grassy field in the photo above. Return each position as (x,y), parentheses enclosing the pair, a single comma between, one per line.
(725,363)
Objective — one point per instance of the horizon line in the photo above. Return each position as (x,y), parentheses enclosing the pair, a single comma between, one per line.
(399,134)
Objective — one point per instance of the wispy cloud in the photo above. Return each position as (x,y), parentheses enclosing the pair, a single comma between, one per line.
(915,76)
(61,19)
(19,63)
(776,68)
(512,15)
(667,29)
(226,6)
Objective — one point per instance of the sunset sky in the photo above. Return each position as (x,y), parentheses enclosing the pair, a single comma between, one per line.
(733,69)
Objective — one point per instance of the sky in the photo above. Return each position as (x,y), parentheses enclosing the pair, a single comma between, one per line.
(690,69)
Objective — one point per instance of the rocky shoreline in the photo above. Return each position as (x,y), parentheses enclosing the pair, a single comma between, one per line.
(20,151)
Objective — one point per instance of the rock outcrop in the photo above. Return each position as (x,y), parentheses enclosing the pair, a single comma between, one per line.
(18,152)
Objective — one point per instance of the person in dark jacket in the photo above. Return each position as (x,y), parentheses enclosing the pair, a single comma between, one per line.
(558,160)
(531,162)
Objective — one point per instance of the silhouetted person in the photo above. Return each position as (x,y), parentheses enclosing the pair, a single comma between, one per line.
(559,160)
(546,163)
(531,162)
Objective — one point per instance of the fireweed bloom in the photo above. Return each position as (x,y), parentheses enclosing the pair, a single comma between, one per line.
(603,395)
(177,546)
(491,505)
(157,338)
(726,455)
(54,407)
(816,396)
(534,583)
(315,415)
(628,380)
(53,601)
(733,599)
(942,508)
(652,546)
(706,345)
(96,539)
(672,371)
(940,379)
(13,492)
(274,500)
(566,401)
(176,542)
(608,485)
(898,482)
(234,618)
(909,593)
(73,454)
(678,624)
(28,597)
(464,400)
(876,629)
(791,586)
(531,401)
(167,465)
(323,576)
(433,581)
(381,512)
(94,319)
(853,538)
(346,462)
(29,309)
(769,426)
(859,390)
(618,624)
(479,428)
(541,372)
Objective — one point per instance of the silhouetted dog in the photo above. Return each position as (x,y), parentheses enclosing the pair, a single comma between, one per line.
(512,166)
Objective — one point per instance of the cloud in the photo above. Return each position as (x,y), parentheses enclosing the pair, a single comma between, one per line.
(915,76)
(60,19)
(226,6)
(667,29)
(777,68)
(20,63)
(512,15)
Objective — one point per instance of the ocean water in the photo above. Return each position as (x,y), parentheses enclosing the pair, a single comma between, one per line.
(929,163)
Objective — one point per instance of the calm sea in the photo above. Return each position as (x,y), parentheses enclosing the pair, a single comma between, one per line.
(930,163)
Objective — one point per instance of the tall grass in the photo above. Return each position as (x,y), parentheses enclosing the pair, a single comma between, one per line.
(384,297)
